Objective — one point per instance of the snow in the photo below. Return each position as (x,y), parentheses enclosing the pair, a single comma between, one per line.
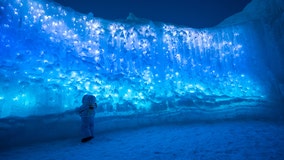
(213,140)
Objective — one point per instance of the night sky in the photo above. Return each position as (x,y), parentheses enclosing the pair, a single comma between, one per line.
(190,13)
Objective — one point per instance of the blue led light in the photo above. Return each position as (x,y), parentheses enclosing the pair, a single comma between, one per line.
(52,56)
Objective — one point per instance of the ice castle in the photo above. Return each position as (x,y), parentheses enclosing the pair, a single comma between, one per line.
(51,56)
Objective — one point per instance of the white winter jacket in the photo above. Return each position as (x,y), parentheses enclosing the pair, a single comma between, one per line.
(87,109)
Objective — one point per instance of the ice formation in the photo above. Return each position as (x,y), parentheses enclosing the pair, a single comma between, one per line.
(51,56)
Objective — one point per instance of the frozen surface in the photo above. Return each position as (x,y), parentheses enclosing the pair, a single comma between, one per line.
(142,72)
(51,56)
(233,140)
(268,15)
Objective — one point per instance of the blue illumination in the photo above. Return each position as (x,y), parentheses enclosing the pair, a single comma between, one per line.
(51,56)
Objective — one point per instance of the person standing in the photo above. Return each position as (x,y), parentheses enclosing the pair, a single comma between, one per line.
(87,113)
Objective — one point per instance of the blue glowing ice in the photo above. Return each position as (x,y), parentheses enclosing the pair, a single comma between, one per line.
(51,56)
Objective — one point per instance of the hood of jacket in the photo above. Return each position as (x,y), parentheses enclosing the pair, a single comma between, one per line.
(88,100)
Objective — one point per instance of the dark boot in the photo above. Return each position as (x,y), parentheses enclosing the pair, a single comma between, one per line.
(83,140)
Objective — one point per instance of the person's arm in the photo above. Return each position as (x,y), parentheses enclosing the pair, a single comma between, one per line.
(81,109)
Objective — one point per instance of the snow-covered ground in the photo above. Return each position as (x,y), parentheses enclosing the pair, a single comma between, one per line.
(218,140)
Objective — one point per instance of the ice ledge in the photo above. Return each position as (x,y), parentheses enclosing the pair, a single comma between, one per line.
(257,10)
(37,129)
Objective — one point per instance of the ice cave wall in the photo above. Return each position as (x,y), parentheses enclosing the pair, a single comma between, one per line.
(51,56)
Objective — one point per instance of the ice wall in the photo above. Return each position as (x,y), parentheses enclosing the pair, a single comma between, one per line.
(51,56)
(268,18)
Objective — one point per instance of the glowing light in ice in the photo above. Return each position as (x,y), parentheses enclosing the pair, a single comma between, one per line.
(138,64)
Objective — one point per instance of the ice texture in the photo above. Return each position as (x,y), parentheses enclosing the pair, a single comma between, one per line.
(51,56)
